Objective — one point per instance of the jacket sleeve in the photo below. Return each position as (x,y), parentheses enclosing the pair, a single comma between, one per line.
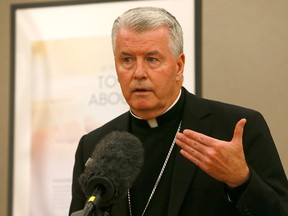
(267,190)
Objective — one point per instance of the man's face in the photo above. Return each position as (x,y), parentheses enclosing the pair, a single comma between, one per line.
(149,75)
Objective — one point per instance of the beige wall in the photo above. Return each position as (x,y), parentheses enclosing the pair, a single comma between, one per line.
(245,61)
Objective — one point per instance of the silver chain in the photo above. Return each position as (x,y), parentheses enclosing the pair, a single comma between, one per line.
(158,179)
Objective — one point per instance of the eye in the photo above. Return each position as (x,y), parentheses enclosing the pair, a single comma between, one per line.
(127,60)
(152,59)
(153,62)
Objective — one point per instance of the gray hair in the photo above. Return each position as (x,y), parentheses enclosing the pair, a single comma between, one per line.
(142,19)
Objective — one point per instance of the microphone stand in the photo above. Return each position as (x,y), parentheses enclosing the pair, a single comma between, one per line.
(91,207)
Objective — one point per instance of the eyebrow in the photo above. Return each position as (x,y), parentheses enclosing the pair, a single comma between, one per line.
(154,52)
(125,53)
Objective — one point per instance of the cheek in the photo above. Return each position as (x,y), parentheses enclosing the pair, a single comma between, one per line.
(121,74)
(123,79)
(124,83)
(166,80)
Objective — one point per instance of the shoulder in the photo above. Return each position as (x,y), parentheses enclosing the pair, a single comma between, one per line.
(222,117)
(217,107)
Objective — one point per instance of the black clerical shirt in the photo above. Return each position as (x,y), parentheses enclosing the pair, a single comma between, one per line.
(157,142)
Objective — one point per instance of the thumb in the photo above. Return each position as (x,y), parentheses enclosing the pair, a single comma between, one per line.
(238,131)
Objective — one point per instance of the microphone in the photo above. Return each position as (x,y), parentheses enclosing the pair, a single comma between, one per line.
(113,167)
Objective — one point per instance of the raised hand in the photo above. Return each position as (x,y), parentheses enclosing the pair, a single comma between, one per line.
(223,160)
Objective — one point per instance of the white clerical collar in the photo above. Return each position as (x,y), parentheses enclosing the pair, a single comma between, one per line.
(153,122)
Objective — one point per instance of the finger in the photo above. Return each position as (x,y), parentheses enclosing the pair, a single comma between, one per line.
(185,143)
(191,149)
(200,138)
(238,131)
(194,156)
(189,156)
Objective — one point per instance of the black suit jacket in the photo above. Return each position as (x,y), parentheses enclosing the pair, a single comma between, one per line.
(192,191)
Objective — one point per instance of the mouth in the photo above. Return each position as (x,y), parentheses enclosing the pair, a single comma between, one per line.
(140,90)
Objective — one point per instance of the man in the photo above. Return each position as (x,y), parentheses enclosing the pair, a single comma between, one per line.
(224,161)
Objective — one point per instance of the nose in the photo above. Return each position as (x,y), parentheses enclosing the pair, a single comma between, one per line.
(140,71)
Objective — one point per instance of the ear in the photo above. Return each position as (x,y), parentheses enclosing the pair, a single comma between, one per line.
(180,66)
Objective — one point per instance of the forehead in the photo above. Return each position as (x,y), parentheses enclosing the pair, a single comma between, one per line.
(128,39)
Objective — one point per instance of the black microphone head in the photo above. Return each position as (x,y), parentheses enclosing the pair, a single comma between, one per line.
(115,163)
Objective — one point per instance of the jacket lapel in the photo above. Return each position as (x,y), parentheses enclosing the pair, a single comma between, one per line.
(194,117)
